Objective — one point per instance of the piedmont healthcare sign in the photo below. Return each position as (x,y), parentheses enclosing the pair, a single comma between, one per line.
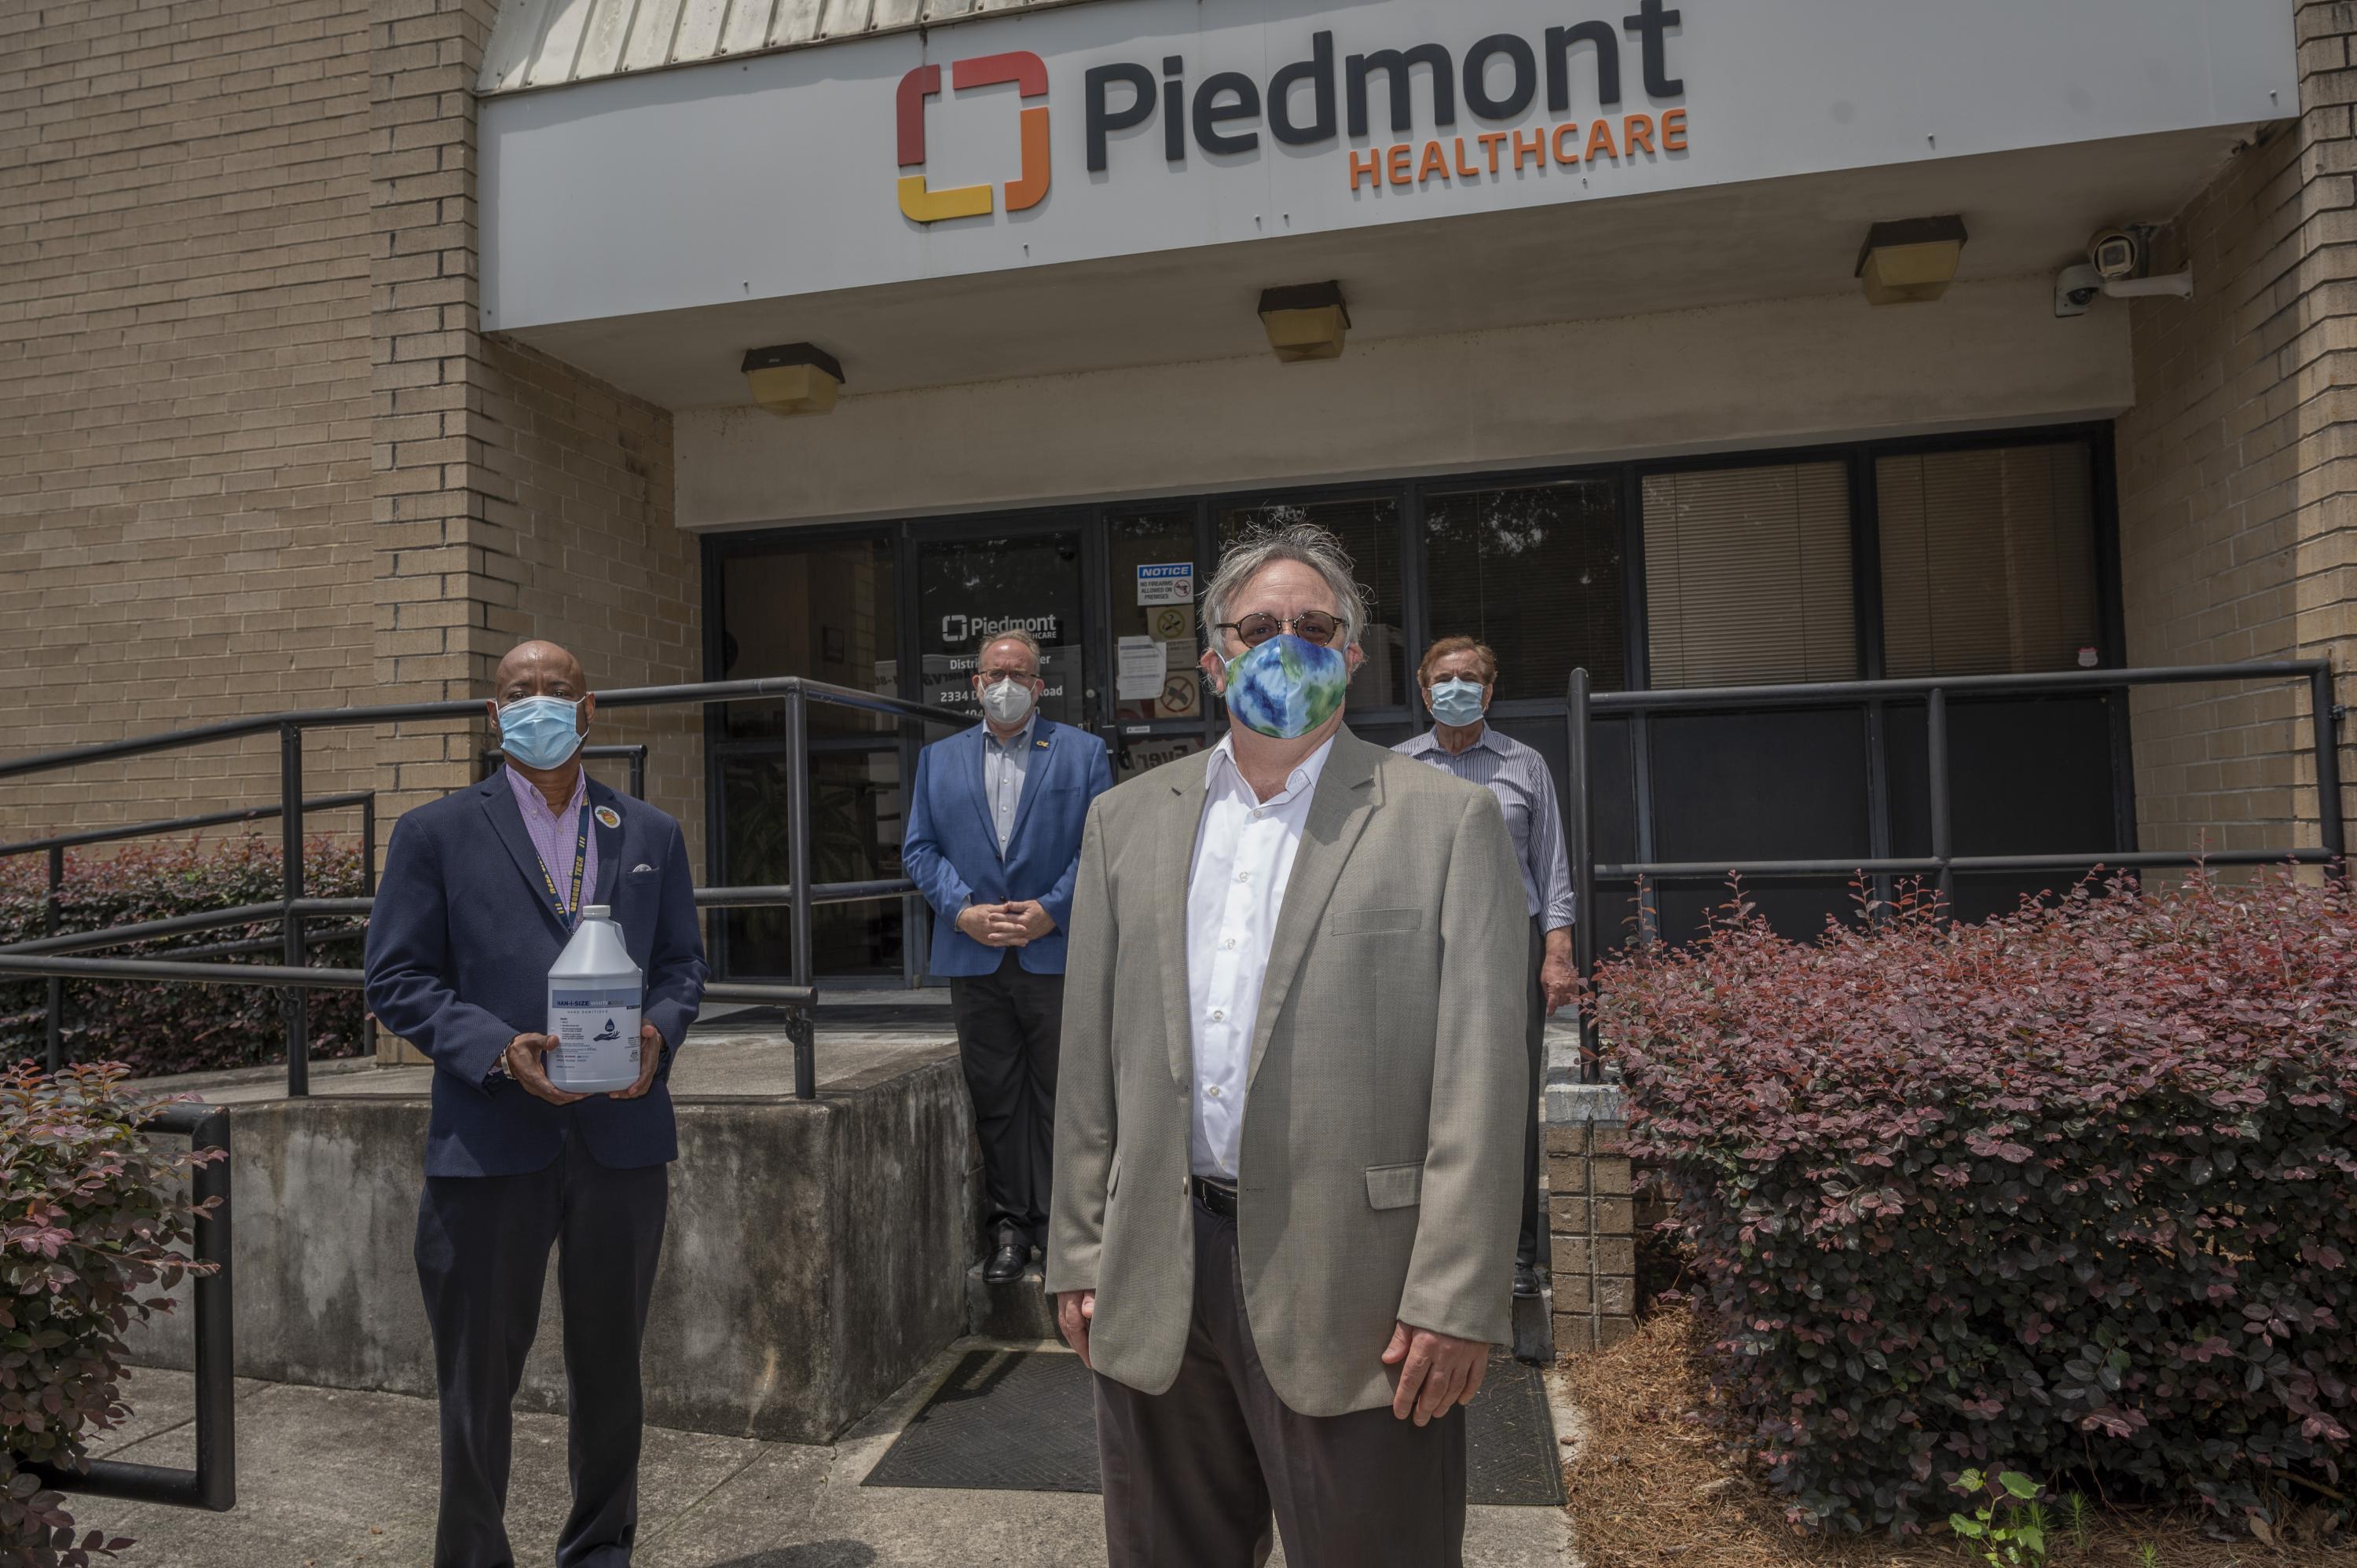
(1130,127)
(1225,112)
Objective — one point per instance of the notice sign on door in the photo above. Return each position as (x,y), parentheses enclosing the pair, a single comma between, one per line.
(1137,669)
(1172,583)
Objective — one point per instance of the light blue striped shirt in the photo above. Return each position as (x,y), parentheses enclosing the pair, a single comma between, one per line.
(1004,765)
(1518,776)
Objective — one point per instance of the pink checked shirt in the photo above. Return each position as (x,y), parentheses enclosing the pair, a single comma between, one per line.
(551,835)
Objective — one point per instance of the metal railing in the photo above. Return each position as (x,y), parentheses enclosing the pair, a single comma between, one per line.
(46,956)
(214,1483)
(1943,863)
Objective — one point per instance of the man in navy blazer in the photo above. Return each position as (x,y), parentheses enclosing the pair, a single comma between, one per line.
(993,842)
(480,892)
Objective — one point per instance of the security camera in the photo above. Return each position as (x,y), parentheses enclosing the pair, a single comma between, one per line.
(2117,254)
(2074,287)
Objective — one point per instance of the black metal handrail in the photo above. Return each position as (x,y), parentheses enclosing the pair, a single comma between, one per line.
(1943,863)
(364,799)
(213,1483)
(294,976)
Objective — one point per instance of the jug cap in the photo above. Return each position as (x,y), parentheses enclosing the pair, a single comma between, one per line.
(597,911)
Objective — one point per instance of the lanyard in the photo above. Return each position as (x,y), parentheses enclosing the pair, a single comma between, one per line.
(567,916)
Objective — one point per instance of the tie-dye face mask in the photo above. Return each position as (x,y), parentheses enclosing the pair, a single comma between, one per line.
(1287,686)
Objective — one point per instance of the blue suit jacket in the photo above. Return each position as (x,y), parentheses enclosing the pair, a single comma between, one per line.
(459,945)
(952,849)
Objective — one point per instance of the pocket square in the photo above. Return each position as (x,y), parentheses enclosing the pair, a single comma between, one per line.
(642,866)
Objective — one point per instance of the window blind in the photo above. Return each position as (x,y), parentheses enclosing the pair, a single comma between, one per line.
(1988,560)
(1748,576)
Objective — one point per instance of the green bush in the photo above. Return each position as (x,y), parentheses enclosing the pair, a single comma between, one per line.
(168,1028)
(2072,1193)
(91,1214)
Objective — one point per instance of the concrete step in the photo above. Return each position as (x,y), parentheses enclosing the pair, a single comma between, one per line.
(1019,1310)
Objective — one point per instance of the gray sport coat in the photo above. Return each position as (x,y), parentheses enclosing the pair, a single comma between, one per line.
(1382,1137)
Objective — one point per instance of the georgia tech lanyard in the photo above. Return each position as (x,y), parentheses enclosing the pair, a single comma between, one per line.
(567,915)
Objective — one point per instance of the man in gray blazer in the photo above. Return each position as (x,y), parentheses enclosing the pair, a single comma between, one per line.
(1288,1133)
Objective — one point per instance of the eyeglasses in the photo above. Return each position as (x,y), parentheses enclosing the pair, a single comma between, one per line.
(1316,626)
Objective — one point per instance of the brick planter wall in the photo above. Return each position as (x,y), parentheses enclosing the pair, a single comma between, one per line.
(1591,1216)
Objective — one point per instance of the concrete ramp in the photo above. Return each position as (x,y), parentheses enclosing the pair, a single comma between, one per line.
(816,1260)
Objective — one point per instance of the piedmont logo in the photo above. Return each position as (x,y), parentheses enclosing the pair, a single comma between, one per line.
(1029,189)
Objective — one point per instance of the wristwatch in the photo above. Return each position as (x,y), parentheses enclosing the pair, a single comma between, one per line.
(499,1073)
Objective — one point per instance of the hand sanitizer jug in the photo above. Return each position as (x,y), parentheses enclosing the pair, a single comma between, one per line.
(593,1009)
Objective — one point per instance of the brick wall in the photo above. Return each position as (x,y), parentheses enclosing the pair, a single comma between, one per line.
(184,385)
(596,562)
(2238,538)
(514,495)
(1592,1234)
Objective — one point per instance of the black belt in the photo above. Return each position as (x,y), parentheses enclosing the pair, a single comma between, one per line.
(1217,1196)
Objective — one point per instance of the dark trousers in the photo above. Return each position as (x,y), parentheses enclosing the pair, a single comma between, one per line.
(1009,1030)
(1531,1246)
(1191,1477)
(482,1253)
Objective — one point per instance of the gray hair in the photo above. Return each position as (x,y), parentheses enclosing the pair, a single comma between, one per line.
(1012,634)
(1314,547)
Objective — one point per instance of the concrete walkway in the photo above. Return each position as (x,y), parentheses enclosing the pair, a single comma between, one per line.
(329,1477)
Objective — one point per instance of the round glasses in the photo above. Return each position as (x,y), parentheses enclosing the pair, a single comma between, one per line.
(1316,626)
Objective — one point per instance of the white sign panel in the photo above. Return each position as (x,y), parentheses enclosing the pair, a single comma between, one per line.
(1172,583)
(1139,664)
(1094,131)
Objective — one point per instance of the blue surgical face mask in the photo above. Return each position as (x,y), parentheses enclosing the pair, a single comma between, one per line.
(1456,704)
(539,732)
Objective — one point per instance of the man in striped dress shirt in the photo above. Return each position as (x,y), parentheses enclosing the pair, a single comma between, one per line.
(1459,676)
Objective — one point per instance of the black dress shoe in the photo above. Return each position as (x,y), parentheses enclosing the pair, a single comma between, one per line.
(1007,1264)
(1526,1280)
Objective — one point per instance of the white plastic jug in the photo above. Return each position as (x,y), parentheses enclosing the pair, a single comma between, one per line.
(593,1009)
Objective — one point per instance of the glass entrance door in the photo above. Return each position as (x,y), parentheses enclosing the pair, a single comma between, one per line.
(969,590)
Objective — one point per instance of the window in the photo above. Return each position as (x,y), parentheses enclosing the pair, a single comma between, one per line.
(823,610)
(1369,531)
(1748,576)
(1988,560)
(970,590)
(1154,617)
(1535,573)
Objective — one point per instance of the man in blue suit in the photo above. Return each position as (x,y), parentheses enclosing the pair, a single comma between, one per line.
(480,892)
(993,842)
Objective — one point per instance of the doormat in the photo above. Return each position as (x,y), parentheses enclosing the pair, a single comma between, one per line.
(1025,1420)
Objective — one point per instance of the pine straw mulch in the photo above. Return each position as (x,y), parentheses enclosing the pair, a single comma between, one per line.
(1650,1487)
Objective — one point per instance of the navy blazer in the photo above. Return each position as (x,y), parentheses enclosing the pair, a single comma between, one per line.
(950,851)
(459,945)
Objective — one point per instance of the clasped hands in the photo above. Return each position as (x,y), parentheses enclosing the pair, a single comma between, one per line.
(1016,923)
(524,1065)
(1436,1371)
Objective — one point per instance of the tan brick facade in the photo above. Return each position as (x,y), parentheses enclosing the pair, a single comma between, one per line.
(184,483)
(258,453)
(268,462)
(2238,537)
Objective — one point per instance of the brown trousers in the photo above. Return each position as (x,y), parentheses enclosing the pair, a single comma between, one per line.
(1193,1477)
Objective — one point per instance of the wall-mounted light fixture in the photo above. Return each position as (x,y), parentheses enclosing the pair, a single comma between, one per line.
(1305,321)
(1913,259)
(793,378)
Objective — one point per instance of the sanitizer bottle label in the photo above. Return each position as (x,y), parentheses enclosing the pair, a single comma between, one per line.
(596,1030)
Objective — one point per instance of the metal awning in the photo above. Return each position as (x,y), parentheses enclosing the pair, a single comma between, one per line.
(547,43)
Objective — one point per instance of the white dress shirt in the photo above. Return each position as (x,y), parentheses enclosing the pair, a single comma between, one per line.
(1235,889)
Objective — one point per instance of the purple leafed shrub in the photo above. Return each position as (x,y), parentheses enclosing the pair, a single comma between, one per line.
(2071,1192)
(92,1216)
(158,1028)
